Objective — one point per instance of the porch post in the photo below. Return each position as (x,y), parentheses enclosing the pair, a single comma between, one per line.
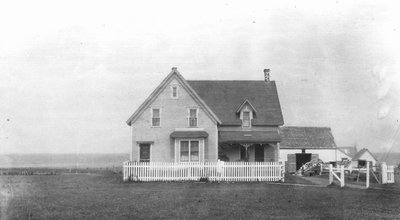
(246,146)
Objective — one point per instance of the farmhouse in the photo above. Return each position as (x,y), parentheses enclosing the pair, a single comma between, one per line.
(203,121)
(300,145)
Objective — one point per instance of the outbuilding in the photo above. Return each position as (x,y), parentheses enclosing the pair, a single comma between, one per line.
(300,145)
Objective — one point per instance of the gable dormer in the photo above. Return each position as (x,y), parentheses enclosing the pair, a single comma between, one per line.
(246,113)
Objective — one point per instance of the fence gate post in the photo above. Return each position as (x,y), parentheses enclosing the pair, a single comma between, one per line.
(384,176)
(341,176)
(367,180)
(330,174)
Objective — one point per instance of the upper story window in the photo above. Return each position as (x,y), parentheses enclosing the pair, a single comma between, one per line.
(174,91)
(156,117)
(193,113)
(246,120)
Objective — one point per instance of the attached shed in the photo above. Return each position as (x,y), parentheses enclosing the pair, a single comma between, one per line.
(361,158)
(300,145)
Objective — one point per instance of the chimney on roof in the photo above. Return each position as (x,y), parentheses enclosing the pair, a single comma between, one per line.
(266,75)
(174,68)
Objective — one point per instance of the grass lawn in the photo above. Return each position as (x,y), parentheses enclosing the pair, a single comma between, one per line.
(104,196)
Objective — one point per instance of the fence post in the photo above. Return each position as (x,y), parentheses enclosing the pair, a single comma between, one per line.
(341,176)
(367,180)
(321,169)
(282,166)
(330,174)
(384,175)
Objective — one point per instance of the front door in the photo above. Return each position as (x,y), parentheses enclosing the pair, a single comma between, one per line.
(144,152)
(259,153)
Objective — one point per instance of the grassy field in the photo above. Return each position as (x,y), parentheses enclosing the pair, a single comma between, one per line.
(102,195)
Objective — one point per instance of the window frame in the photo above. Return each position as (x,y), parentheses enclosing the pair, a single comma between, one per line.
(189,150)
(172,91)
(197,117)
(151,117)
(249,120)
(139,151)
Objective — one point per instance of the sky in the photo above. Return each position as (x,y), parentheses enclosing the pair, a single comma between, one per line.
(72,72)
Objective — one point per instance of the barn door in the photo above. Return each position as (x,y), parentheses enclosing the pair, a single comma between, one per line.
(301,159)
(291,163)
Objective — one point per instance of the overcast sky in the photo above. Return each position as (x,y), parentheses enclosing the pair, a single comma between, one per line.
(72,72)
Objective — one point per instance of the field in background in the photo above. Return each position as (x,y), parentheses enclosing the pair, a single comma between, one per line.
(62,160)
(103,195)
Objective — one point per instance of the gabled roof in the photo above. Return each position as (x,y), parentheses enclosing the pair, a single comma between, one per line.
(306,138)
(360,153)
(244,103)
(225,97)
(173,74)
(349,150)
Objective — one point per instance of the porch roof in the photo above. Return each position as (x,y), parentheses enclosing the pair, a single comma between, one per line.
(189,134)
(248,136)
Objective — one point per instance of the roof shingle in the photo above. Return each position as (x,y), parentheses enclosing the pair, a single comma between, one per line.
(225,97)
(306,138)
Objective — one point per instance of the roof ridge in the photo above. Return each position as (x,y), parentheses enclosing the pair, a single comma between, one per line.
(223,80)
(305,127)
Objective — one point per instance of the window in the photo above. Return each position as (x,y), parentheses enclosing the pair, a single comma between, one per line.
(144,154)
(190,151)
(246,122)
(193,117)
(174,92)
(155,117)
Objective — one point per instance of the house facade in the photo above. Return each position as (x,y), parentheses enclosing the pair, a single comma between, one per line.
(203,121)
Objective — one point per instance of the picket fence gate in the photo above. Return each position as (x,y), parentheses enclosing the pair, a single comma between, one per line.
(387,174)
(207,171)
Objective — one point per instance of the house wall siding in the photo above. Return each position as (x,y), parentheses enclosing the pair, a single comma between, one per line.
(174,113)
(271,153)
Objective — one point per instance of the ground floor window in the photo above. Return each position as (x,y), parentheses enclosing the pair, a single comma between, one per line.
(144,154)
(189,151)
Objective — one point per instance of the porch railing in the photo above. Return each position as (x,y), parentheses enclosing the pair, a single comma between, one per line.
(207,171)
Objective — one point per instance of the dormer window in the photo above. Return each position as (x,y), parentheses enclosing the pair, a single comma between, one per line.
(174,91)
(247,113)
(246,120)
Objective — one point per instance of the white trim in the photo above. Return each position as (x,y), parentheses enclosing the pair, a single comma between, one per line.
(172,91)
(244,104)
(151,116)
(190,129)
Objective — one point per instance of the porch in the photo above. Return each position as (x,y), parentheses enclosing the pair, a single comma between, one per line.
(206,171)
(249,146)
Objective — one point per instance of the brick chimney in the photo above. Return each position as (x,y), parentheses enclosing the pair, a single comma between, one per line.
(174,68)
(266,75)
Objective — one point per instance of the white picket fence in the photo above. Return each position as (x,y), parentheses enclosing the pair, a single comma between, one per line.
(211,171)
